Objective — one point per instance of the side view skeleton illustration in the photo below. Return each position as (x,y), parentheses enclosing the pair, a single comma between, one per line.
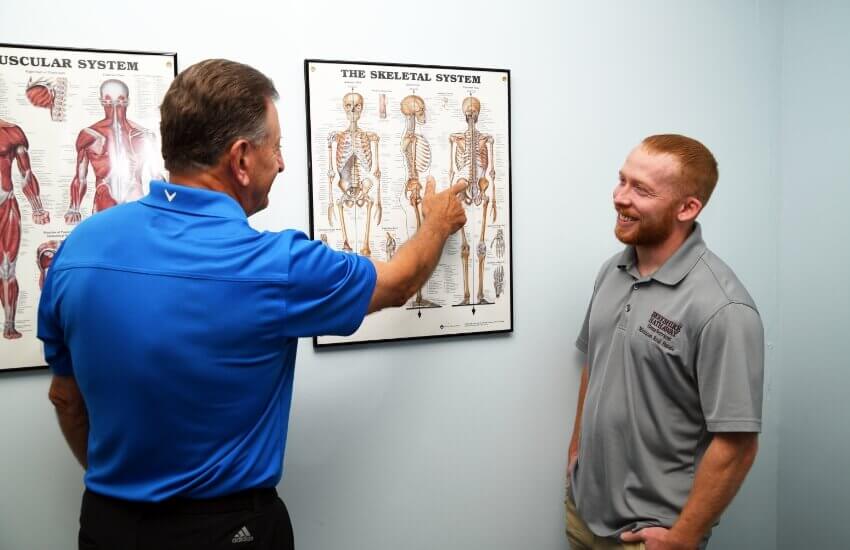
(354,168)
(417,159)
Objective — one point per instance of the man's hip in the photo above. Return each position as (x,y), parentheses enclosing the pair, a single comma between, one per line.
(249,520)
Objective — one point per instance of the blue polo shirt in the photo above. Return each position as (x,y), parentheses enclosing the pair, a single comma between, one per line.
(180,323)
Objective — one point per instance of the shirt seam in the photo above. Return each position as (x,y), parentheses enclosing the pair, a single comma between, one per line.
(713,315)
(716,279)
(283,278)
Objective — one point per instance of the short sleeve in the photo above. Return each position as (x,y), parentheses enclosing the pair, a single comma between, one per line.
(584,333)
(730,370)
(50,331)
(583,339)
(327,291)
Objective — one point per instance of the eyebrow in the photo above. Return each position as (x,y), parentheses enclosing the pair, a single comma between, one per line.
(635,180)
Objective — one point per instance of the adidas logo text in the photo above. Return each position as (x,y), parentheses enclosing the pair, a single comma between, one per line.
(242,536)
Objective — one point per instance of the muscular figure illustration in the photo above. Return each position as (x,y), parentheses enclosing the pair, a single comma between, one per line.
(44,257)
(49,93)
(14,147)
(121,152)
(417,160)
(353,166)
(472,162)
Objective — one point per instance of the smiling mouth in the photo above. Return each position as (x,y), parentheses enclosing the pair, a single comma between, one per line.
(625,219)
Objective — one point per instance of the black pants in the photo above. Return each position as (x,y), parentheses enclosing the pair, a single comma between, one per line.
(250,520)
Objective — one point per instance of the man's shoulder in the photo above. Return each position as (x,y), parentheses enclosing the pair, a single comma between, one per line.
(111,220)
(717,284)
(109,224)
(612,262)
(609,266)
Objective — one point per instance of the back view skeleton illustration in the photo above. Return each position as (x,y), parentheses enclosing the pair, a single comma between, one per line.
(472,162)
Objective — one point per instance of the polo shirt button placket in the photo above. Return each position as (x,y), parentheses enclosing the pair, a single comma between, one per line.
(629,306)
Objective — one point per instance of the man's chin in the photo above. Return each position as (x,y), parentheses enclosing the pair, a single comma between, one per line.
(625,237)
(260,207)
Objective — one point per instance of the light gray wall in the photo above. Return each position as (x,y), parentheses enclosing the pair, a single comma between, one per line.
(814,485)
(461,444)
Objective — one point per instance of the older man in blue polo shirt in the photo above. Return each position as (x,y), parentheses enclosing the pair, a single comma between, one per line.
(171,327)
(670,400)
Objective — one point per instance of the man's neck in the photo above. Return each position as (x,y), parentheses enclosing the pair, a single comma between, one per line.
(210,180)
(651,258)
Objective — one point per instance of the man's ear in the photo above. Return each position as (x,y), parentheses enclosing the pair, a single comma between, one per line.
(240,161)
(689,209)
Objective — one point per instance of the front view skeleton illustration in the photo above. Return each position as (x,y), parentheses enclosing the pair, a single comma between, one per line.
(355,169)
(14,148)
(417,159)
(472,162)
(121,152)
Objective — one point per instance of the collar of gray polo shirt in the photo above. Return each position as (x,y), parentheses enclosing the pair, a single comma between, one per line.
(676,267)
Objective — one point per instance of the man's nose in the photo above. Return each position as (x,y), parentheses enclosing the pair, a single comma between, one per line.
(620,194)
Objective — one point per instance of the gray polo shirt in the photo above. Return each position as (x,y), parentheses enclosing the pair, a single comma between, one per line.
(673,357)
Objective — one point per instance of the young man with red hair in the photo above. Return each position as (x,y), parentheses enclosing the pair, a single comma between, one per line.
(669,405)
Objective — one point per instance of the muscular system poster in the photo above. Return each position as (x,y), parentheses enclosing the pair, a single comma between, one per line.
(78,134)
(376,133)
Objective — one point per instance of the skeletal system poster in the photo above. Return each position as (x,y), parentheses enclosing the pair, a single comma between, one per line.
(376,132)
(78,134)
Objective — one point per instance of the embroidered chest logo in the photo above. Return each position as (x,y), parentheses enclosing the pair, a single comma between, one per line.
(661,330)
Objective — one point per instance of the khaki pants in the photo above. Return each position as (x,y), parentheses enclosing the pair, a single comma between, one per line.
(581,537)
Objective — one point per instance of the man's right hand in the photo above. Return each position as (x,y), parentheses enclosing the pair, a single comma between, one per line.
(443,211)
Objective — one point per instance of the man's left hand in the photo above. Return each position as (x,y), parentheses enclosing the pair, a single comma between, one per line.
(656,538)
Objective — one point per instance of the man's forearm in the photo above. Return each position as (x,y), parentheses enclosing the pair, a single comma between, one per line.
(418,257)
(574,440)
(719,476)
(72,415)
(75,428)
